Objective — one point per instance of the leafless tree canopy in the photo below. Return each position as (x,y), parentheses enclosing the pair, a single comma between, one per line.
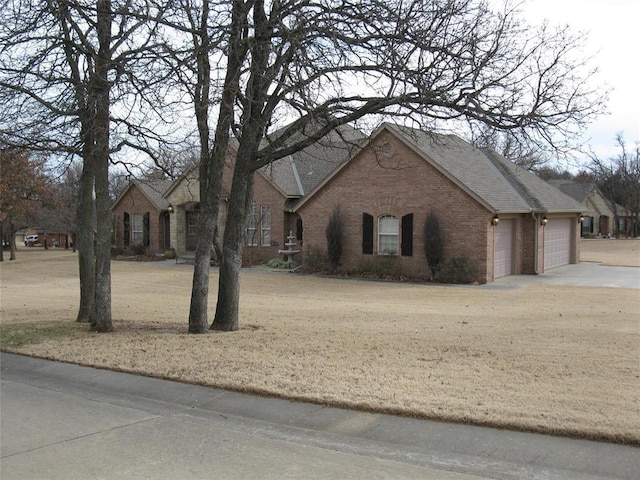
(619,180)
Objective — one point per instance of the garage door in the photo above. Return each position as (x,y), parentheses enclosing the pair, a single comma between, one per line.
(503,249)
(557,243)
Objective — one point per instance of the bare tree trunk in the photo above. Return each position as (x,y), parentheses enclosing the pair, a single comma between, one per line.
(208,179)
(101,319)
(253,128)
(12,245)
(226,318)
(84,243)
(212,162)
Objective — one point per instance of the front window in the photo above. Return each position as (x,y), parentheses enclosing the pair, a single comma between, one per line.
(192,223)
(137,229)
(265,225)
(388,235)
(252,226)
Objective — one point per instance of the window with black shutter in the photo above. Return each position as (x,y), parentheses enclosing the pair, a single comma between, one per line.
(407,235)
(367,234)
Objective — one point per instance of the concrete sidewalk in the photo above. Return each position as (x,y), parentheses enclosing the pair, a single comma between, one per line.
(67,421)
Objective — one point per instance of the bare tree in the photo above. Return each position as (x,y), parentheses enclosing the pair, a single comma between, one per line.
(306,68)
(65,64)
(520,151)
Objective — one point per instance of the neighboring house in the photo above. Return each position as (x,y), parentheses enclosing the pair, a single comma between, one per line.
(276,187)
(503,218)
(36,237)
(141,217)
(598,216)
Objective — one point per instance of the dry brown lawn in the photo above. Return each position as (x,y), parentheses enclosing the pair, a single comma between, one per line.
(546,358)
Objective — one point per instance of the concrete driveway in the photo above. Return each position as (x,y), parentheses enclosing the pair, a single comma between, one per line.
(583,274)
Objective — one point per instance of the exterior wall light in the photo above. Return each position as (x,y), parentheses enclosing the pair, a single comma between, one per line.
(495,220)
(544,221)
(170,209)
(581,218)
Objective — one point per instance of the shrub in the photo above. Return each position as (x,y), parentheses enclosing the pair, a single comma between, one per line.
(138,249)
(315,259)
(383,266)
(282,264)
(335,238)
(433,243)
(458,270)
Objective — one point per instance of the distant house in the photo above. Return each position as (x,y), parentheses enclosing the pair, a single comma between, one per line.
(141,217)
(38,237)
(598,216)
(501,217)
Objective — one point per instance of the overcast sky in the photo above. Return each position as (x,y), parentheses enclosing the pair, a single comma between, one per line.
(614,38)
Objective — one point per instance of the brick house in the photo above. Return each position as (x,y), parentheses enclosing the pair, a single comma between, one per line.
(504,219)
(276,187)
(141,217)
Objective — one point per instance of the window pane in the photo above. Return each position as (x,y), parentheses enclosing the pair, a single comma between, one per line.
(388,225)
(265,224)
(388,228)
(252,225)
(192,223)
(137,229)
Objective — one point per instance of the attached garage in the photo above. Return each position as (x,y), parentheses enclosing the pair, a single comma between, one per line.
(557,243)
(503,249)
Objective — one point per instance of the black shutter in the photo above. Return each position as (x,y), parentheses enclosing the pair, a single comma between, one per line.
(127,234)
(367,234)
(145,229)
(407,235)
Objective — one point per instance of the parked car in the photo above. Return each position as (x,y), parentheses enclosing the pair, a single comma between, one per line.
(31,240)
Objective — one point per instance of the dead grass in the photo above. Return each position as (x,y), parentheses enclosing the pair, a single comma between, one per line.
(553,359)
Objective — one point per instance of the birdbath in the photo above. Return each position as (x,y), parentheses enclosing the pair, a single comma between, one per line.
(290,251)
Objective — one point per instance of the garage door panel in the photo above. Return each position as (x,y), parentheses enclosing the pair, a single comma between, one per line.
(503,249)
(557,243)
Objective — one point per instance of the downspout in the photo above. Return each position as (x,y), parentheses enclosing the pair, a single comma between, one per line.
(535,243)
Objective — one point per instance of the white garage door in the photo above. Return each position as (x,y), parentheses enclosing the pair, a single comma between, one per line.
(503,249)
(557,243)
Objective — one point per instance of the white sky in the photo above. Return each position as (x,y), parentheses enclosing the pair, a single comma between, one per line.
(614,39)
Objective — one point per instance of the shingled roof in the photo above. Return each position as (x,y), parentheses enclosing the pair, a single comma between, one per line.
(498,182)
(152,189)
(501,185)
(298,174)
(576,190)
